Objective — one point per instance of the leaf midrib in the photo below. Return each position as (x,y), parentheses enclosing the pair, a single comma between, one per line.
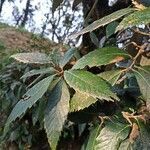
(103,93)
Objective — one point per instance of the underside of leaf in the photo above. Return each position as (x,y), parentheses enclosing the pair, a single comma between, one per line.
(56,113)
(33,58)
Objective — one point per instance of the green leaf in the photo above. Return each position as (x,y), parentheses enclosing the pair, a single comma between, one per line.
(56,4)
(141,140)
(32,96)
(90,84)
(111,76)
(55,56)
(94,39)
(56,113)
(136,18)
(68,55)
(143,79)
(103,21)
(80,101)
(144,136)
(102,56)
(92,138)
(32,58)
(111,136)
(33,72)
(38,112)
(126,145)
(110,29)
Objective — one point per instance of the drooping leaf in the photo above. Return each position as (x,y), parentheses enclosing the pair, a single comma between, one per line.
(111,136)
(92,138)
(80,101)
(56,113)
(30,98)
(90,84)
(110,29)
(32,58)
(56,4)
(103,56)
(136,18)
(68,55)
(103,21)
(111,76)
(143,79)
(39,71)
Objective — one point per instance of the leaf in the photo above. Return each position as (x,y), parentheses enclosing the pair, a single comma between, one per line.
(110,29)
(90,84)
(145,61)
(103,56)
(144,135)
(136,18)
(111,136)
(32,96)
(38,112)
(94,39)
(32,58)
(68,55)
(76,3)
(141,142)
(103,21)
(80,101)
(92,138)
(143,79)
(125,145)
(55,56)
(56,113)
(111,76)
(33,72)
(56,3)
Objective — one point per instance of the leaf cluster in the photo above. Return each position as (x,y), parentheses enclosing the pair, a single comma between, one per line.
(73,91)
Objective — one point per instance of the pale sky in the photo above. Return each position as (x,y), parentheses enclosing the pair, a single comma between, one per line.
(43,7)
